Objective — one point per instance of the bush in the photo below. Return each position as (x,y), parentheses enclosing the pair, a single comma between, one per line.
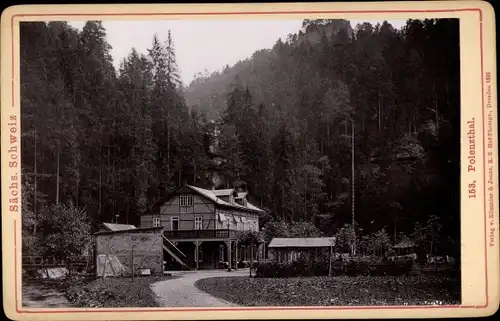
(393,268)
(403,267)
(292,269)
(302,268)
(276,270)
(320,268)
(243,264)
(352,267)
(284,270)
(64,222)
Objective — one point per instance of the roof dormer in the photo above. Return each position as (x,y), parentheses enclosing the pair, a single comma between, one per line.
(240,198)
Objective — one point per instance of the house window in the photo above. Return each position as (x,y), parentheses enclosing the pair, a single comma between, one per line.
(198,223)
(156,221)
(186,200)
(175,223)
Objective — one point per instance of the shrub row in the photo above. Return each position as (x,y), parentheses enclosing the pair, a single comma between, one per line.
(293,269)
(244,264)
(392,268)
(321,268)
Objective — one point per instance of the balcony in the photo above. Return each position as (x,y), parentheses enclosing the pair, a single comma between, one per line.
(201,234)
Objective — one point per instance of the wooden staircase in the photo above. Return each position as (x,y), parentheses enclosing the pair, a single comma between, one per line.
(171,249)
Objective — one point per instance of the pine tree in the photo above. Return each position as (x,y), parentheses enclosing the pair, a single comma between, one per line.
(172,75)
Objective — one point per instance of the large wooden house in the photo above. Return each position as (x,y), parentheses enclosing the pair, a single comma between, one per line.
(203,226)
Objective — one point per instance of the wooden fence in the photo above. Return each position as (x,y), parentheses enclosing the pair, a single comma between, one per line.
(52,262)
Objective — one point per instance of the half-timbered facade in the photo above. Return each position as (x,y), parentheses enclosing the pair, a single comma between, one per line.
(204,224)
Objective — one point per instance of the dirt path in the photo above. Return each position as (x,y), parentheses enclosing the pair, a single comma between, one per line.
(181,291)
(39,294)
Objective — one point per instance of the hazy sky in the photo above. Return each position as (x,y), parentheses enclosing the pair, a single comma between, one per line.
(203,44)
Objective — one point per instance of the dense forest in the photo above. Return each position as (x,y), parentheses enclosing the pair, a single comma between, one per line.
(291,124)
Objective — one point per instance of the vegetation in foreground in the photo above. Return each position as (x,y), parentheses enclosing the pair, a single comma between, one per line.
(112,292)
(338,291)
(352,267)
(38,293)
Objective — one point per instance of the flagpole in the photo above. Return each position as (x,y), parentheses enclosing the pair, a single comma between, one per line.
(352,186)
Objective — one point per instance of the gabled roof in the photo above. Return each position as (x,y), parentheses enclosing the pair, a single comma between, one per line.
(118,227)
(131,231)
(404,245)
(213,196)
(255,208)
(302,242)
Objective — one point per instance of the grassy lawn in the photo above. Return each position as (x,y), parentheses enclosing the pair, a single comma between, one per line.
(113,292)
(338,291)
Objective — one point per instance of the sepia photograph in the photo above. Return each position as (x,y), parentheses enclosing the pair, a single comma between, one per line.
(255,161)
(240,163)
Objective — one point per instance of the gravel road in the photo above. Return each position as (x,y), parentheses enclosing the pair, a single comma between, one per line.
(181,291)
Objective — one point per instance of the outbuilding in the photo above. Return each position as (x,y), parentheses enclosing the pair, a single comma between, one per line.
(405,249)
(127,251)
(291,249)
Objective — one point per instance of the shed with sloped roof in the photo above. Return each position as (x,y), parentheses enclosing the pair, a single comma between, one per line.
(112,227)
(293,248)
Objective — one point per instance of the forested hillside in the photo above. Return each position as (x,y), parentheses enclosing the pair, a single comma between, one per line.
(114,143)
(291,108)
(110,142)
(208,92)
